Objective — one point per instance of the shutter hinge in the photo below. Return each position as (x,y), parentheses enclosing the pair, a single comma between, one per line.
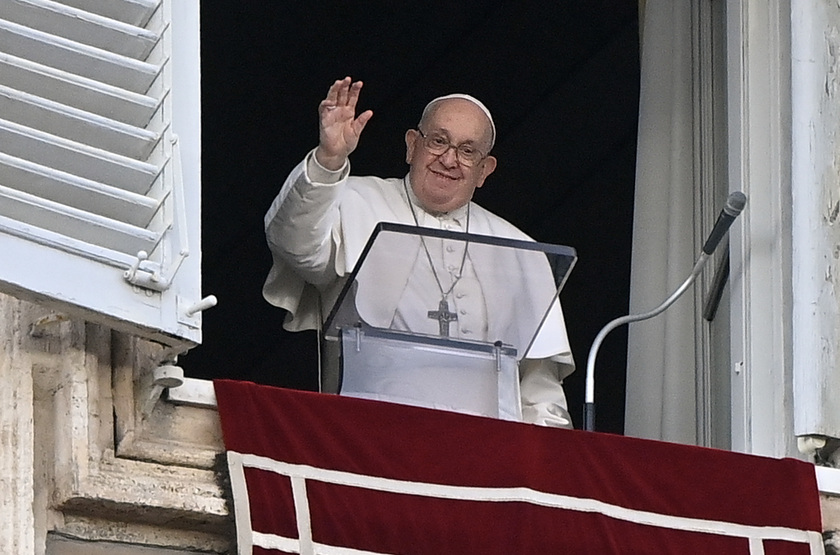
(150,277)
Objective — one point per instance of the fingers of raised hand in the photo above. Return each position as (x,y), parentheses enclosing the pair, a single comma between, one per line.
(340,128)
(343,92)
(353,94)
(361,121)
(335,89)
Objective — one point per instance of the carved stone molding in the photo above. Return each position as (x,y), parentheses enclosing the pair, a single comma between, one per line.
(80,458)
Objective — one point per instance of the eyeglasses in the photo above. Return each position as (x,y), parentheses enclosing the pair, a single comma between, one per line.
(438,145)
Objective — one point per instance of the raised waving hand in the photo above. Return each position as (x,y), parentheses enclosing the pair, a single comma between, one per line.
(339,127)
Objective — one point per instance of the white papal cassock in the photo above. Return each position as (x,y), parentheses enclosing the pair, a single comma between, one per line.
(317,228)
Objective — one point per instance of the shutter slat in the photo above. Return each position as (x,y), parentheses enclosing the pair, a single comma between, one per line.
(64,243)
(80,26)
(77,159)
(84,226)
(73,57)
(76,192)
(71,123)
(77,92)
(134,12)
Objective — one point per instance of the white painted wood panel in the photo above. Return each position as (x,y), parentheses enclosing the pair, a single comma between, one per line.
(81,26)
(135,12)
(87,61)
(97,163)
(78,92)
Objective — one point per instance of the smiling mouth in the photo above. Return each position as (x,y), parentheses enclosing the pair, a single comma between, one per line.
(445,176)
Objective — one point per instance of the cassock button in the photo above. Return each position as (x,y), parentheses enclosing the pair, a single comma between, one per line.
(463,311)
(450,248)
(459,295)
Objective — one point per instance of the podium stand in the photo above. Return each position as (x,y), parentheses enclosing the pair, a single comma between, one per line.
(441,319)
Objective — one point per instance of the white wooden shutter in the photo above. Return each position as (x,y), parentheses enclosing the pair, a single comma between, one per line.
(100,161)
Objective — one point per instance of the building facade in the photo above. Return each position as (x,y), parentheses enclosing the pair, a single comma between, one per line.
(100,176)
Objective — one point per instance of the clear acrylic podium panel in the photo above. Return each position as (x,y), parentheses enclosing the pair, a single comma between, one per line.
(395,346)
(402,368)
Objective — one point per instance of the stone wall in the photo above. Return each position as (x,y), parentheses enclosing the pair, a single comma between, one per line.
(90,453)
(831,523)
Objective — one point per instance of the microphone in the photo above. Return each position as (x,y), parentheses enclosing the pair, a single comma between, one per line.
(734,205)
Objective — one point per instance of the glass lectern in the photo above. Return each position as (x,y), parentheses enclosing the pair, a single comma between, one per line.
(441,319)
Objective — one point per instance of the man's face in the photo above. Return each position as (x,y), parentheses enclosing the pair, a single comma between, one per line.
(441,182)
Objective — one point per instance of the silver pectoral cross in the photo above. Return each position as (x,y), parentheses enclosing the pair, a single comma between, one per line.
(443,316)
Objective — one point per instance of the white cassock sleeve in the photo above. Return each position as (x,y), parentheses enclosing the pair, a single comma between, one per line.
(543,398)
(299,228)
(302,218)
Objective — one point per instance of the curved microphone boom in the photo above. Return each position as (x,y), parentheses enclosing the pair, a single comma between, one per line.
(734,205)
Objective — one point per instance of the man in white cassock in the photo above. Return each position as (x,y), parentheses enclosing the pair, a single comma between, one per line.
(322,218)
